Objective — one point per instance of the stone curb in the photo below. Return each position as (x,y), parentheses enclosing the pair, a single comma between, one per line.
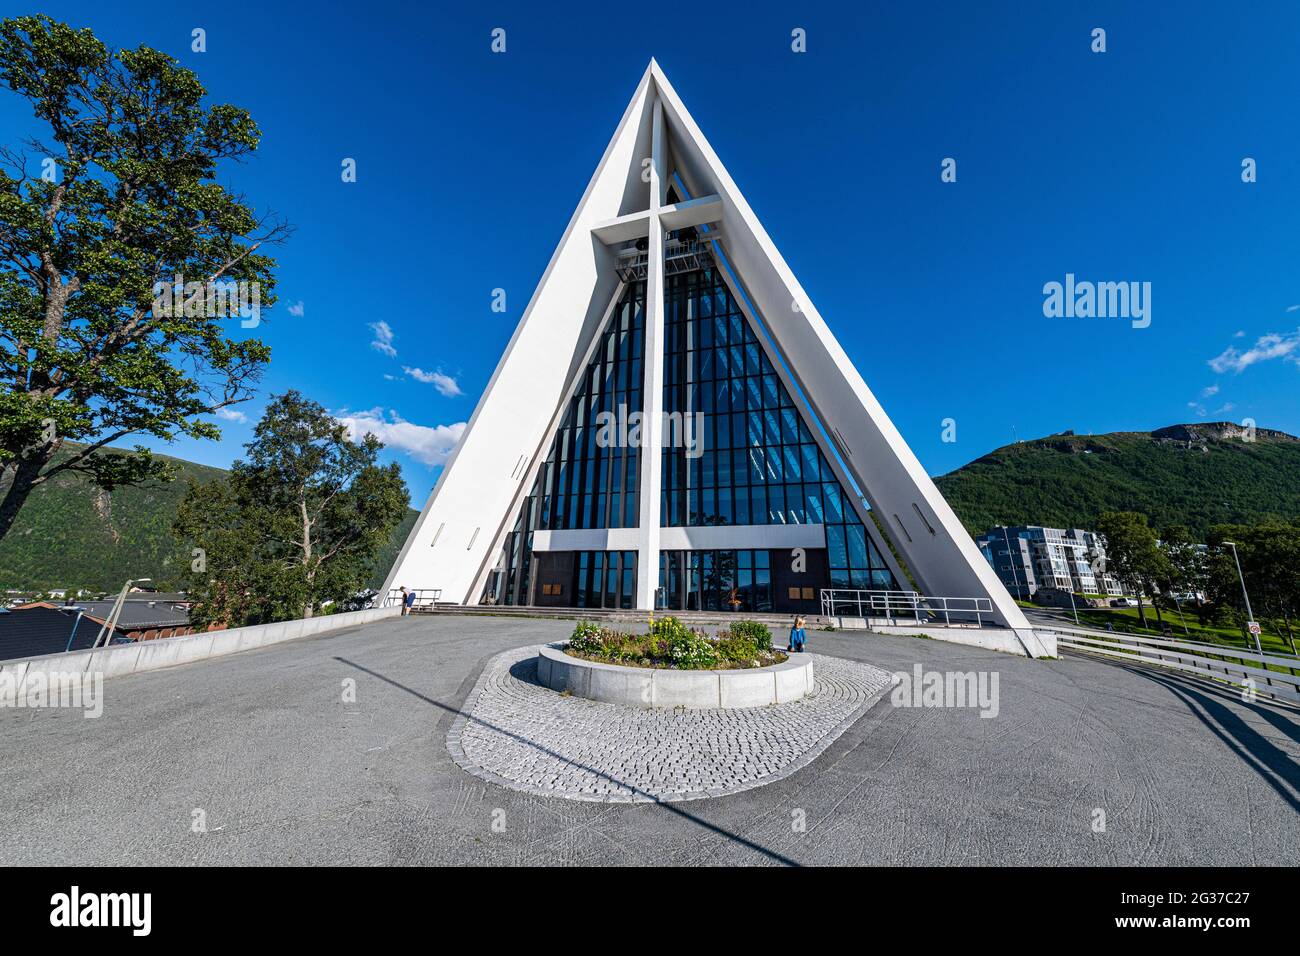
(457,752)
(649,687)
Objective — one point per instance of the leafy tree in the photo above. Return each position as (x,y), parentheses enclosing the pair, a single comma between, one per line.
(297,526)
(125,201)
(1184,566)
(1270,563)
(1132,554)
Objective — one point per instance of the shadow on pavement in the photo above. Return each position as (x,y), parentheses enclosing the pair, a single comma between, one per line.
(1273,764)
(649,798)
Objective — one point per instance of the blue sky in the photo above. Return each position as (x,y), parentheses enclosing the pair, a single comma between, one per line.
(1119,166)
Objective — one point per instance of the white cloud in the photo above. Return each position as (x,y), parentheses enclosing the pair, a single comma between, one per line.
(443,383)
(1292,308)
(431,445)
(1209,390)
(232,415)
(383,340)
(1271,346)
(297,308)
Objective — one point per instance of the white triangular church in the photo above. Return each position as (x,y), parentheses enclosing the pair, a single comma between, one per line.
(673,425)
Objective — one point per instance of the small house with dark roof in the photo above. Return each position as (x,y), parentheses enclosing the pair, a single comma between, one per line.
(42,629)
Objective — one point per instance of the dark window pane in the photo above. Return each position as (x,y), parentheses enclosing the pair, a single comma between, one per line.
(810,456)
(741,504)
(857,546)
(836,553)
(831,499)
(776,504)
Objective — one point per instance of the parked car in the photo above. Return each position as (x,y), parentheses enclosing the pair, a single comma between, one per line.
(1124,602)
(362,600)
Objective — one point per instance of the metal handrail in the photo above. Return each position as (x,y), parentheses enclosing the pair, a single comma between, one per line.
(679,255)
(924,609)
(424,597)
(1281,658)
(1219,666)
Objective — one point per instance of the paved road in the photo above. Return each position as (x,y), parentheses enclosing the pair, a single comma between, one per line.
(286,772)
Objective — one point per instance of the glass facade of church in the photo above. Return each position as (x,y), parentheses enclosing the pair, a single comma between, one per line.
(737,452)
(755,462)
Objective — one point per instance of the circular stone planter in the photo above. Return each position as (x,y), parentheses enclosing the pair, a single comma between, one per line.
(658,687)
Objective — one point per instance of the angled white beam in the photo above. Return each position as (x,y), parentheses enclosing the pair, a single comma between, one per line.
(692,212)
(623,228)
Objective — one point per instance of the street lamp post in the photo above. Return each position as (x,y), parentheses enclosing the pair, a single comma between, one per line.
(1250,615)
(110,623)
(73,636)
(1179,604)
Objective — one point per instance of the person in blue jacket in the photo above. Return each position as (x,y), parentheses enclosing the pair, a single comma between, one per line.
(797,635)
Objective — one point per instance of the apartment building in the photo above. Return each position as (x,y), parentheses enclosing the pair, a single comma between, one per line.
(1029,557)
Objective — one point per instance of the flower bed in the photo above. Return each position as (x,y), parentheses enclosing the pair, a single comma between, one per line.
(672,645)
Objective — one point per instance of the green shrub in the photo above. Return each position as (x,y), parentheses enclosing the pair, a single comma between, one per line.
(736,647)
(669,628)
(756,631)
(691,650)
(671,643)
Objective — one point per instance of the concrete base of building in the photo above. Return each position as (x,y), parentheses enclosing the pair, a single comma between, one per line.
(1025,642)
(647,687)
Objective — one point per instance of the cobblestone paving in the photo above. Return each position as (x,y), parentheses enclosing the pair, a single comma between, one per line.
(521,735)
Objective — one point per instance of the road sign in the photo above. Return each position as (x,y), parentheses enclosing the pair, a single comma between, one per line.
(1253,627)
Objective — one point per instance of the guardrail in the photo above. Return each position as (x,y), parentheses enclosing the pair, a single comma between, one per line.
(424,597)
(1213,661)
(924,609)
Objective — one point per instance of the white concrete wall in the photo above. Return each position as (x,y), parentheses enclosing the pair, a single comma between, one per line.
(1026,642)
(168,651)
(693,538)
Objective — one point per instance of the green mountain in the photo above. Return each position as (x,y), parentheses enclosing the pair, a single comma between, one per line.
(73,535)
(1197,475)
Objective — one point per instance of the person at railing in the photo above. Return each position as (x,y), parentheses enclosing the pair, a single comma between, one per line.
(408,601)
